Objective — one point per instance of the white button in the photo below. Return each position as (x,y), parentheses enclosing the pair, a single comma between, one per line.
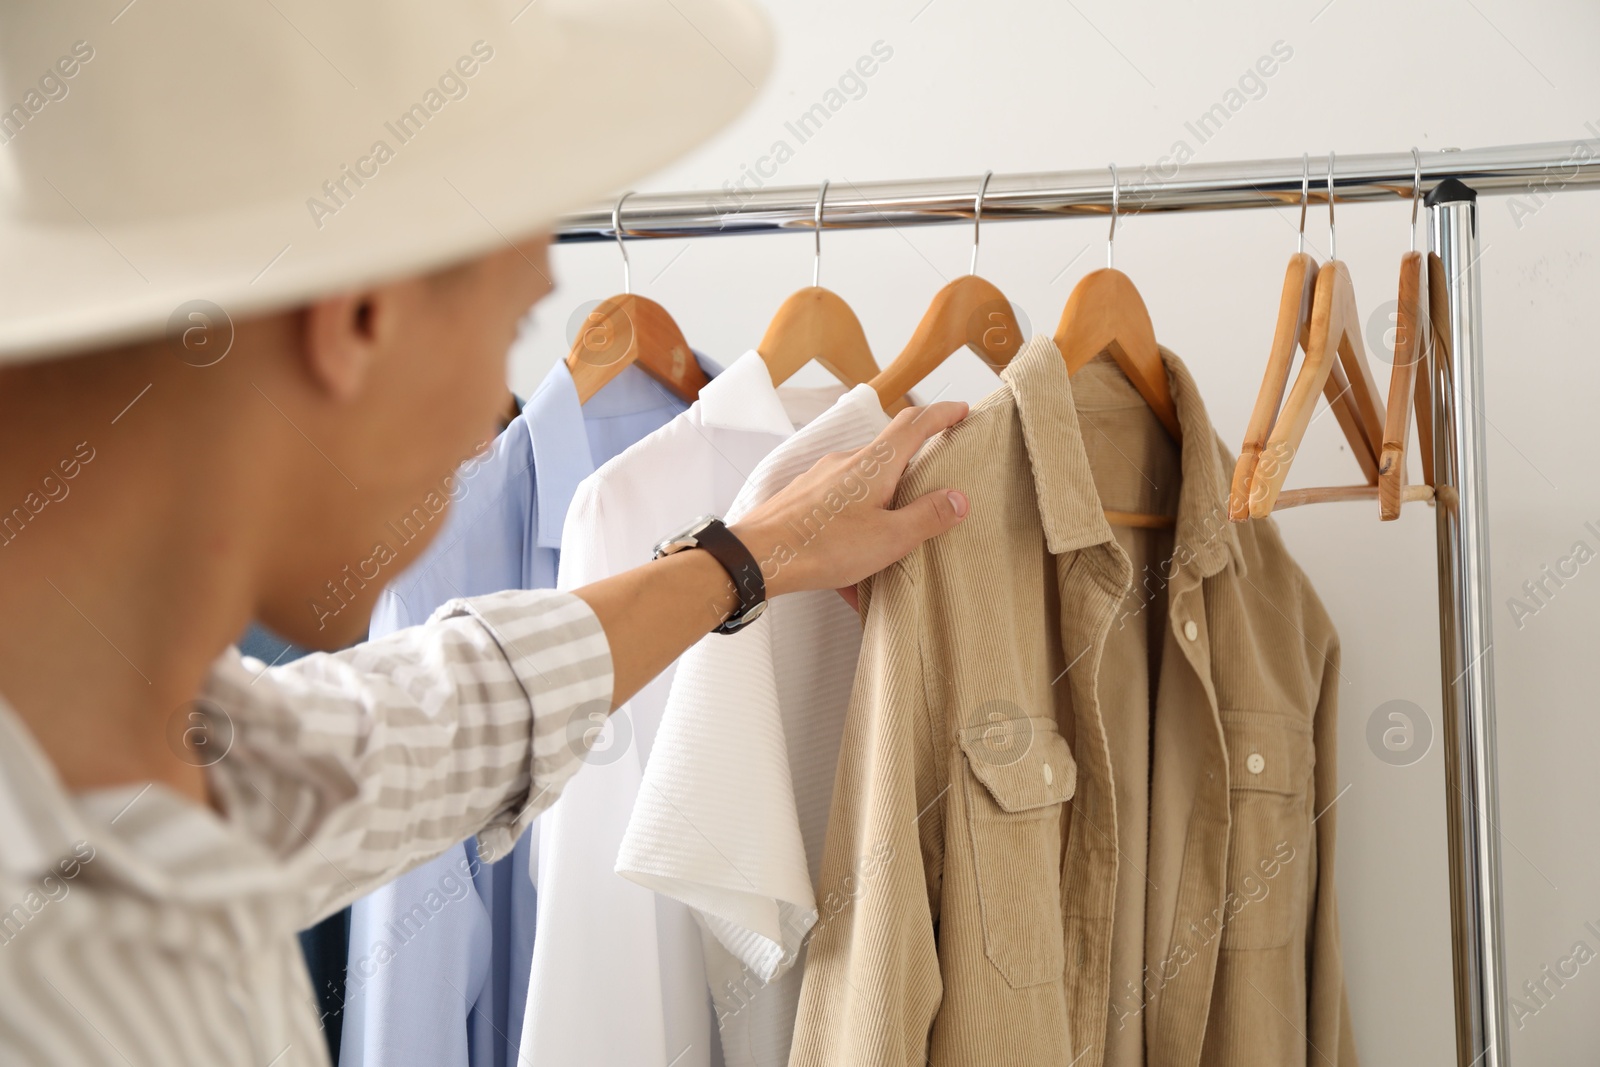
(1256,763)
(1190,630)
(1049,775)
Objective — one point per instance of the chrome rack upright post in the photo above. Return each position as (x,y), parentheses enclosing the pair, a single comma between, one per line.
(1465,642)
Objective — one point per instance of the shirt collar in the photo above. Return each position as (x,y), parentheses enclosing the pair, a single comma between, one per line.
(37,821)
(744,398)
(1205,541)
(145,836)
(561,457)
(556,422)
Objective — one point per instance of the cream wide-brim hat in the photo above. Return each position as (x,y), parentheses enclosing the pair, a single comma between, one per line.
(255,155)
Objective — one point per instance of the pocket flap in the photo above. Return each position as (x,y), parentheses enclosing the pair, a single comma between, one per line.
(1268,751)
(1024,763)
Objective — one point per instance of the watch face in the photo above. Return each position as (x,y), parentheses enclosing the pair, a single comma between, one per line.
(692,531)
(688,537)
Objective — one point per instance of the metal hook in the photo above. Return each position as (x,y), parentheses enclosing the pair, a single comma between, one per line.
(1333,237)
(1116,202)
(977,217)
(1416,193)
(1305,197)
(616,228)
(816,263)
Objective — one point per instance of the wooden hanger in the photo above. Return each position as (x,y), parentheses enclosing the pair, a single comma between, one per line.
(627,329)
(968,312)
(1410,380)
(1428,369)
(1335,364)
(816,324)
(1105,313)
(1292,330)
(1409,388)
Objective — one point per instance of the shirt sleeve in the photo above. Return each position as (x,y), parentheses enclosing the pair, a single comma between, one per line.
(356,766)
(1328,1008)
(872,984)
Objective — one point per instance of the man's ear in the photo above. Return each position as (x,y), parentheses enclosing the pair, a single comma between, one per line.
(341,336)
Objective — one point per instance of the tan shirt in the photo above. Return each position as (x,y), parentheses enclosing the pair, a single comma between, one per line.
(1137,467)
(974,881)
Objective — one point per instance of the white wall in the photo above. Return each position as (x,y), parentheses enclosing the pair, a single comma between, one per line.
(1015,86)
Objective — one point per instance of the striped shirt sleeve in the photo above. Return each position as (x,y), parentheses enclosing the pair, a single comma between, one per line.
(358,765)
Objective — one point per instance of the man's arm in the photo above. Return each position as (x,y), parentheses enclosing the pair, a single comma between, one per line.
(653,613)
(359,765)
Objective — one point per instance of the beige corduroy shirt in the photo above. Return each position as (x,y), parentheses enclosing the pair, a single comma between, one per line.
(1037,719)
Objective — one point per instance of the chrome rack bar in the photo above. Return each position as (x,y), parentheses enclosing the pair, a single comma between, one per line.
(1535,170)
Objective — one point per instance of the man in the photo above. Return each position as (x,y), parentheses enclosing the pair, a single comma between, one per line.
(262,266)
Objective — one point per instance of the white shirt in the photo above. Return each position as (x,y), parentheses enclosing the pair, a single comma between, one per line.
(734,807)
(145,929)
(618,978)
(456,996)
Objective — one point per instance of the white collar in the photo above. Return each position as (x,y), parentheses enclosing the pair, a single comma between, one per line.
(744,398)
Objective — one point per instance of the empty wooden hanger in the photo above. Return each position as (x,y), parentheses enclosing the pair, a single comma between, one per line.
(1291,330)
(1105,313)
(816,324)
(1335,364)
(1410,383)
(627,329)
(968,312)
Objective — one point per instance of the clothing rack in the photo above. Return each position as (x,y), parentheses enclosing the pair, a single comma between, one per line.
(1453,179)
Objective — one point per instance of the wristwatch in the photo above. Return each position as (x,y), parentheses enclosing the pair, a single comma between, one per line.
(709,533)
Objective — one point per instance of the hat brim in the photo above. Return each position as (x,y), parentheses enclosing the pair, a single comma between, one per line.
(628,105)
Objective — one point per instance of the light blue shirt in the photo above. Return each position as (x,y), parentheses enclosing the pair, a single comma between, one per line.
(440,957)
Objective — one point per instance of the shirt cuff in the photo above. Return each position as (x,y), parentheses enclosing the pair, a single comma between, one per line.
(559,655)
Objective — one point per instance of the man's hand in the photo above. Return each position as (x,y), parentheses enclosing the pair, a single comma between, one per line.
(832,526)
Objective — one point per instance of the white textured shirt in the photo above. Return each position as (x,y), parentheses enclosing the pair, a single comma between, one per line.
(137,927)
(618,977)
(734,807)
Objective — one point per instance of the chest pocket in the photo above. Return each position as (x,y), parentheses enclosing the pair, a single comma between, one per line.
(1270,852)
(1021,773)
